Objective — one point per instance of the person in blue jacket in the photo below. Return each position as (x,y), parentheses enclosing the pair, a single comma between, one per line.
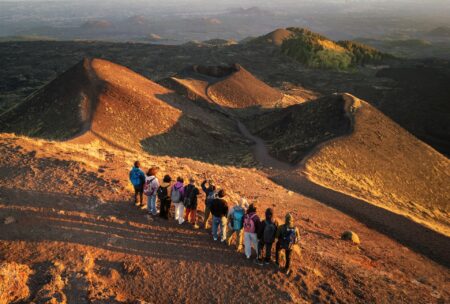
(137,178)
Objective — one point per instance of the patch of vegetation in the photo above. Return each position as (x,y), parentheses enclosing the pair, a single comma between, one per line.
(363,54)
(317,51)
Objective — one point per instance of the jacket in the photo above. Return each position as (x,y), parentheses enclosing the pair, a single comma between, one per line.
(219,207)
(281,232)
(207,190)
(152,184)
(190,192)
(180,187)
(137,177)
(169,191)
(262,226)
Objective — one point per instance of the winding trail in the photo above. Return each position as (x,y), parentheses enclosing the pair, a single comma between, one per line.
(261,153)
(421,239)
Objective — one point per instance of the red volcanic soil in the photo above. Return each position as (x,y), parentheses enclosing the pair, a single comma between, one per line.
(98,96)
(100,100)
(231,87)
(241,90)
(69,232)
(275,38)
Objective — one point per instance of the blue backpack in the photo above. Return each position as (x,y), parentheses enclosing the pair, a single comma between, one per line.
(288,238)
(136,176)
(238,215)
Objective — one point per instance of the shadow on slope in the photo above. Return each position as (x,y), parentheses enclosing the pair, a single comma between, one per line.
(291,133)
(209,135)
(59,110)
(113,226)
(406,231)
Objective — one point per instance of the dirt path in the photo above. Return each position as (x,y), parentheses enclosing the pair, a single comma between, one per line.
(261,153)
(419,238)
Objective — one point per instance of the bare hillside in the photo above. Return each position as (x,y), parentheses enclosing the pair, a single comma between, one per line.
(382,163)
(100,100)
(231,87)
(69,233)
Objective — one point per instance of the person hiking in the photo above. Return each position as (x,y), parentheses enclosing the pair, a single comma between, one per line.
(176,196)
(219,210)
(266,237)
(150,187)
(251,226)
(236,223)
(164,197)
(190,202)
(287,236)
(211,194)
(137,178)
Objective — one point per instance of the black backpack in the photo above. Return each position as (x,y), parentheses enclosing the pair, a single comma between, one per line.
(270,230)
(162,193)
(188,196)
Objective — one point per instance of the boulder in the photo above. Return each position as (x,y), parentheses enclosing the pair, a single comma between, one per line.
(350,236)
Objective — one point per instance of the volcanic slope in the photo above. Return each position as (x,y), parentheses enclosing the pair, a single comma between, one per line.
(100,100)
(70,232)
(275,37)
(230,87)
(364,154)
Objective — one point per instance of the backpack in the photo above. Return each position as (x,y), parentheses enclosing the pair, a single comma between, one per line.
(249,223)
(176,195)
(211,197)
(269,232)
(162,193)
(238,214)
(189,196)
(288,238)
(135,177)
(148,188)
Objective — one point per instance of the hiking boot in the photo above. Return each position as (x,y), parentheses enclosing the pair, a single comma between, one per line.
(137,204)
(266,262)
(196,226)
(215,239)
(143,207)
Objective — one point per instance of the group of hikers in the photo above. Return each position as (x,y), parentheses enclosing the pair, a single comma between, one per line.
(240,220)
